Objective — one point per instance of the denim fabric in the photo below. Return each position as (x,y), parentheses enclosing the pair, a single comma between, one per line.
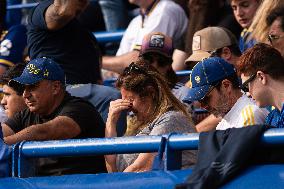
(115,14)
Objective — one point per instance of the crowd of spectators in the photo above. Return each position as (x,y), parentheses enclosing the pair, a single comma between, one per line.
(49,55)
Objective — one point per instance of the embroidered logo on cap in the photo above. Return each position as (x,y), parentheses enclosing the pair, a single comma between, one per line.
(33,69)
(157,41)
(5,47)
(197,79)
(196,43)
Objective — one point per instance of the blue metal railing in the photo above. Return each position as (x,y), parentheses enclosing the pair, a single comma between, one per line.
(134,144)
(21,6)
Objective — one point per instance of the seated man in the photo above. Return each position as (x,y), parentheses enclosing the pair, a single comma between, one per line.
(155,16)
(12,101)
(262,72)
(215,85)
(213,41)
(53,114)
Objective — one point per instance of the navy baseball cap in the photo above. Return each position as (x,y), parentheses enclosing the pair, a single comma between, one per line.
(206,74)
(40,69)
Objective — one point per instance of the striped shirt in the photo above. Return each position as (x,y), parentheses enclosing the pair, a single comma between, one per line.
(244,113)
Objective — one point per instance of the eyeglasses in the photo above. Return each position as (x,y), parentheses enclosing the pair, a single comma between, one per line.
(272,37)
(244,86)
(133,68)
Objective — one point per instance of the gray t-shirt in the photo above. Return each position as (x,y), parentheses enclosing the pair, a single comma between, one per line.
(171,121)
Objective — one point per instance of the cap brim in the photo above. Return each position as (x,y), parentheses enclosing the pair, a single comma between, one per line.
(196,93)
(155,51)
(197,56)
(27,80)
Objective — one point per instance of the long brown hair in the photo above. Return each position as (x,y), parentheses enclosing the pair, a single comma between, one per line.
(138,77)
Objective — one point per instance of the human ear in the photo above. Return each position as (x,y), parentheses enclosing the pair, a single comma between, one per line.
(261,77)
(226,85)
(56,86)
(226,53)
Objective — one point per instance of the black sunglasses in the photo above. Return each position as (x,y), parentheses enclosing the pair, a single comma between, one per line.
(272,38)
(244,86)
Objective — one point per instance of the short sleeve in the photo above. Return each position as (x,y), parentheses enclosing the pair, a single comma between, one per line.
(253,115)
(172,122)
(36,18)
(84,114)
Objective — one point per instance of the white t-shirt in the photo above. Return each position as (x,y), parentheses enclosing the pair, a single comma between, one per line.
(244,113)
(166,17)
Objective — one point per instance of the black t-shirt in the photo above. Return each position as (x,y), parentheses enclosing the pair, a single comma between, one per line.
(72,46)
(91,124)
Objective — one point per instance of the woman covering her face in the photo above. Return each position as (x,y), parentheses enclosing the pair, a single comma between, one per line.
(157,111)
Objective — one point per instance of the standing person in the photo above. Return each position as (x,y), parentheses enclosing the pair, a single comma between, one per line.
(244,11)
(146,93)
(115,14)
(155,15)
(215,85)
(53,114)
(275,22)
(262,73)
(55,32)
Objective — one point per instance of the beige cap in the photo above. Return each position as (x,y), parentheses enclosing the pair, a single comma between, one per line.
(210,39)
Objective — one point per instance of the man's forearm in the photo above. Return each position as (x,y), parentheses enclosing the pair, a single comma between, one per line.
(33,132)
(118,63)
(59,128)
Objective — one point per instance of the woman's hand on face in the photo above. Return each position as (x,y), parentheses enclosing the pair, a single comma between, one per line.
(117,106)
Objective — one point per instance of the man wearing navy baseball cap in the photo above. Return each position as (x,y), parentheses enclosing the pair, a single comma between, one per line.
(54,114)
(216,86)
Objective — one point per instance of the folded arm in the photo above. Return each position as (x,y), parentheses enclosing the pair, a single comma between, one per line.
(118,63)
(61,127)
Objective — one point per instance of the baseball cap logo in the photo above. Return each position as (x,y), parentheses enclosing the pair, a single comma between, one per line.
(33,69)
(157,41)
(5,47)
(197,79)
(196,41)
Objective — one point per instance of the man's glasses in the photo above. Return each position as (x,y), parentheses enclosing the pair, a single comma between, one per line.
(245,87)
(272,37)
(133,68)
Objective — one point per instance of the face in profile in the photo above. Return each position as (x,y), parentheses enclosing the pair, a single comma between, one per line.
(39,97)
(216,102)
(244,11)
(276,36)
(12,102)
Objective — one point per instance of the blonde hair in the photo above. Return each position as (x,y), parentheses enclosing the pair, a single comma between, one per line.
(139,81)
(259,26)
